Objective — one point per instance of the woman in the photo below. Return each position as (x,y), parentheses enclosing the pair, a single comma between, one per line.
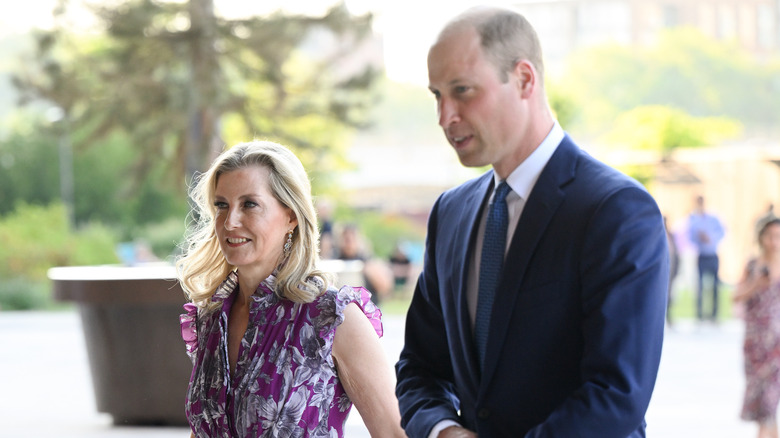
(759,290)
(277,350)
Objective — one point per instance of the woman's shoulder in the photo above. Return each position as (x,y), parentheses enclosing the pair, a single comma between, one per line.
(334,300)
(341,296)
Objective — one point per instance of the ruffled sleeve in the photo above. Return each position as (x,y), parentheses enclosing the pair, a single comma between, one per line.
(362,297)
(188,323)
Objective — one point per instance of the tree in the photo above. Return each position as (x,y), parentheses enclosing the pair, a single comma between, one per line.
(683,69)
(180,81)
(662,129)
(29,172)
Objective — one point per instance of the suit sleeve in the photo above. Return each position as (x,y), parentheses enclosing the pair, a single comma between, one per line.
(424,388)
(624,280)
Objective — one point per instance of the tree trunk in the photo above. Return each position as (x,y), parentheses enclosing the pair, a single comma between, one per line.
(202,135)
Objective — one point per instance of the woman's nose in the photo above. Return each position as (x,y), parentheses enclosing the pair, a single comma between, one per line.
(232,219)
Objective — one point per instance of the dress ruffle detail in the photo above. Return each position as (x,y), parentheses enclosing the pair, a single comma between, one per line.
(188,322)
(362,297)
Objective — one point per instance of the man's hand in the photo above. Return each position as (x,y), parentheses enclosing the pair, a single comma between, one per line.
(457,432)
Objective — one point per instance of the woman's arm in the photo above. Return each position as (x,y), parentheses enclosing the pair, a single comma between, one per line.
(366,374)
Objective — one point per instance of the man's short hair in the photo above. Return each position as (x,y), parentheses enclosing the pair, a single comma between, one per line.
(505,36)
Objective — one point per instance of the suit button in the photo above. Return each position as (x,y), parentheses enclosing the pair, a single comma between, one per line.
(483,414)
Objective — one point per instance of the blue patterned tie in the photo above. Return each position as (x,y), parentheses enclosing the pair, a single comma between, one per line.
(490,266)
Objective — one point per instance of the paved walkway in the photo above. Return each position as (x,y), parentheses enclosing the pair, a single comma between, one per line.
(47,391)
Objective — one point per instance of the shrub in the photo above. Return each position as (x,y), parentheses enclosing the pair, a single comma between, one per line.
(163,237)
(35,238)
(23,294)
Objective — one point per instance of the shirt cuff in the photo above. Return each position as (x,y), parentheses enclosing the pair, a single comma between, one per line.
(441,425)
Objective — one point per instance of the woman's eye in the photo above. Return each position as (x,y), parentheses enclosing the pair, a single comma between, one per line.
(220,205)
(249,204)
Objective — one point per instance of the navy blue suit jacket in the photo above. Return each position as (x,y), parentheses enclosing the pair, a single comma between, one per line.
(578,319)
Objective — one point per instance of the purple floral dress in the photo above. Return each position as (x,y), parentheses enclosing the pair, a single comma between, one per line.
(762,354)
(285,383)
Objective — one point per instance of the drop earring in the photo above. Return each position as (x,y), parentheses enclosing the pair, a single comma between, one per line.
(288,244)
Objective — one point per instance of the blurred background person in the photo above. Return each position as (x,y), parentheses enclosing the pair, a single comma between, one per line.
(327,238)
(297,350)
(706,231)
(759,291)
(401,265)
(377,274)
(674,267)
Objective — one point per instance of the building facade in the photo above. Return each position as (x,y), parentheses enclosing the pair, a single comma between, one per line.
(565,25)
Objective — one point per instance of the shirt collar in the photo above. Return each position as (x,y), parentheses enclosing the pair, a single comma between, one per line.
(523,178)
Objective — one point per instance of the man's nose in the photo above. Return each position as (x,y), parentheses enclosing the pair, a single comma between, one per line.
(448,112)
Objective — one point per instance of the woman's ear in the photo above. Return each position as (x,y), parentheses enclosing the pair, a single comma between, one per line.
(293,219)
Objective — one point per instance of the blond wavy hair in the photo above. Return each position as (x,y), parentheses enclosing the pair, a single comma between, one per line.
(202,267)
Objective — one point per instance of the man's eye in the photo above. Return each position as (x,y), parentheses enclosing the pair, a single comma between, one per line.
(461,89)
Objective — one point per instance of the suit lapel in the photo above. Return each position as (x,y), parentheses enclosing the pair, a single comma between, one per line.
(539,209)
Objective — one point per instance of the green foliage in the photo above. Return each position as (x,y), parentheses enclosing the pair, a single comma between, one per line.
(562,104)
(35,238)
(23,294)
(683,305)
(684,70)
(409,106)
(382,230)
(104,190)
(28,164)
(642,173)
(167,74)
(163,237)
(93,244)
(661,128)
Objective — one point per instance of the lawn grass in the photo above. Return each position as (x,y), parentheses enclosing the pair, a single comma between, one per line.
(398,304)
(683,304)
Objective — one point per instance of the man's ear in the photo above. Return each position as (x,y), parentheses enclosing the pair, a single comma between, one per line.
(525,76)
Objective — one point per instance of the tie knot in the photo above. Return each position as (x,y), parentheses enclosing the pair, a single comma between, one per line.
(502,190)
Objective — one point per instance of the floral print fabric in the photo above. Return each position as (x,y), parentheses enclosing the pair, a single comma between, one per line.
(762,354)
(285,383)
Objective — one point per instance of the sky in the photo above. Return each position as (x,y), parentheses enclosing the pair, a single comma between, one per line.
(408,26)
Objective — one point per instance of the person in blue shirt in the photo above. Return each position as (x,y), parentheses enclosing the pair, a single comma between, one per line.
(706,231)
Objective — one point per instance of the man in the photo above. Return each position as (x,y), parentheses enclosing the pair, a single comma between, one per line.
(706,231)
(571,344)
